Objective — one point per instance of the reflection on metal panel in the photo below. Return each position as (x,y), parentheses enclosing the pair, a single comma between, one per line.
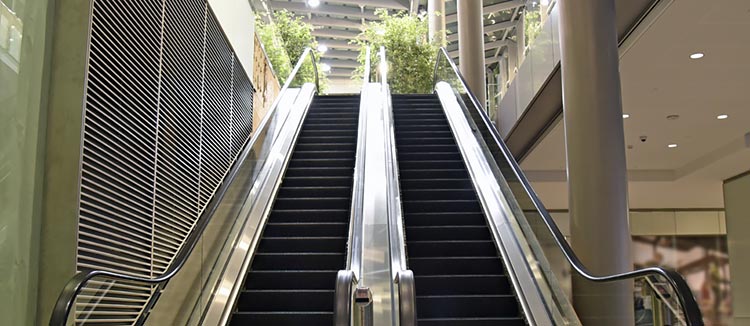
(166,113)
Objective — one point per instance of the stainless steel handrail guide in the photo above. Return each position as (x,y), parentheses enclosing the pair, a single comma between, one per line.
(690,307)
(347,279)
(403,278)
(72,289)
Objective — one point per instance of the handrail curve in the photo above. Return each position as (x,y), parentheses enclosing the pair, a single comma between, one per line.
(66,299)
(691,310)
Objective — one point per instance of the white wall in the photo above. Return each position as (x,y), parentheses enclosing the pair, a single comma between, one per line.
(238,21)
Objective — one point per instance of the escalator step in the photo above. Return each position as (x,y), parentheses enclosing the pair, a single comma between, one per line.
(311,229)
(505,321)
(318,181)
(290,280)
(335,153)
(272,318)
(437,194)
(455,265)
(447,232)
(463,284)
(302,244)
(436,183)
(296,192)
(424,141)
(455,205)
(444,219)
(461,306)
(306,215)
(291,300)
(311,203)
(429,156)
(425,173)
(454,248)
(298,261)
(322,162)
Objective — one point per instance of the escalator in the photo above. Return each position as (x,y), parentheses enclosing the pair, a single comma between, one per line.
(304,244)
(459,274)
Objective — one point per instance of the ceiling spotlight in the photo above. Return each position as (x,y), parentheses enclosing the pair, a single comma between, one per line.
(322,48)
(672,145)
(625,115)
(313,3)
(325,67)
(722,116)
(696,55)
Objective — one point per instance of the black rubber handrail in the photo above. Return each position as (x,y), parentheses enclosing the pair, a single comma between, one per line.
(693,315)
(64,303)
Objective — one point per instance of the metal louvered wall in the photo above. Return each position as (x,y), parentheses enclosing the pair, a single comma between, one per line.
(167,109)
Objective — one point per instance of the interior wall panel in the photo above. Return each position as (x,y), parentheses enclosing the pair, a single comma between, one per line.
(166,113)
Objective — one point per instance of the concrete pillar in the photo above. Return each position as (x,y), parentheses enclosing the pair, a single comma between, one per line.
(471,46)
(597,175)
(436,21)
(59,222)
(737,210)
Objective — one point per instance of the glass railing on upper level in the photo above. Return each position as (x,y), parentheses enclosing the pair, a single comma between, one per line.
(109,297)
(536,226)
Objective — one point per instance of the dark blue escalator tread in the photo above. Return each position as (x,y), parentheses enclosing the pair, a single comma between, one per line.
(460,278)
(291,279)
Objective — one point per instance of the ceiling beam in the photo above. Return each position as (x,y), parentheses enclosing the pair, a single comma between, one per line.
(501,26)
(337,44)
(302,8)
(340,54)
(336,22)
(389,4)
(335,33)
(338,63)
(487,29)
(487,46)
(491,9)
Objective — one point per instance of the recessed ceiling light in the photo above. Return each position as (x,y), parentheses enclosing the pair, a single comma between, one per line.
(313,3)
(722,116)
(672,145)
(325,67)
(322,48)
(696,55)
(625,115)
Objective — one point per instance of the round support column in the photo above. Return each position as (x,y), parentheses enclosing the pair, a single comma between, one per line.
(471,46)
(595,144)
(436,20)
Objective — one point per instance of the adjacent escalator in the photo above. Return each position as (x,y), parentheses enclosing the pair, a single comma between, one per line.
(459,274)
(292,275)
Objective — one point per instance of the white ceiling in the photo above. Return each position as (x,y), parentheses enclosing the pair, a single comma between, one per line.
(659,79)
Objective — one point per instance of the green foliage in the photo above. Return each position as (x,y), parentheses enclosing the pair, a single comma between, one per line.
(285,39)
(532,23)
(410,54)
